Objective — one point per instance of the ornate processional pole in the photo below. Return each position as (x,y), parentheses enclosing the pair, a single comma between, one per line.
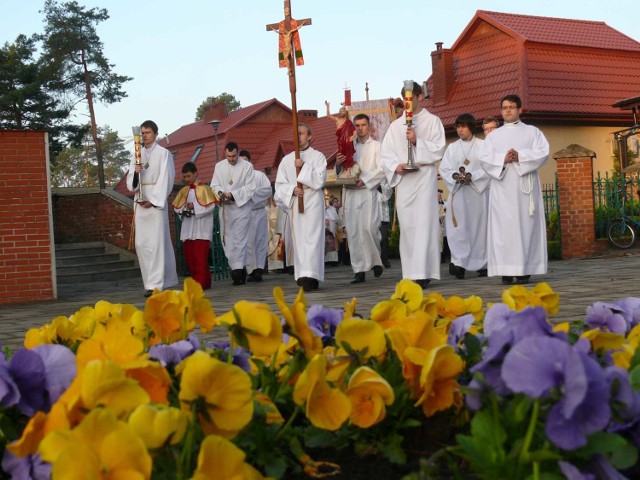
(290,55)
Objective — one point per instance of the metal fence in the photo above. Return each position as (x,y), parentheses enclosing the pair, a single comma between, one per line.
(608,192)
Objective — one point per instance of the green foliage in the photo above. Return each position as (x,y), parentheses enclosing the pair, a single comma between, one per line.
(228,99)
(28,99)
(394,242)
(72,50)
(77,166)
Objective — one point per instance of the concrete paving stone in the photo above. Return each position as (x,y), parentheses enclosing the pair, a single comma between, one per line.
(579,283)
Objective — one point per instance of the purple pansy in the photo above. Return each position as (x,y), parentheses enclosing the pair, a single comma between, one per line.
(571,472)
(27,370)
(324,321)
(240,355)
(536,365)
(459,328)
(31,467)
(9,392)
(172,354)
(630,309)
(607,317)
(59,369)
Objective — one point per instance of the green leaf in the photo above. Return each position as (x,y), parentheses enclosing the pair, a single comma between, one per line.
(318,438)
(484,429)
(276,468)
(392,449)
(620,453)
(634,374)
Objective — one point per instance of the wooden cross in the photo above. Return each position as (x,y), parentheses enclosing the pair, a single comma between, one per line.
(289,53)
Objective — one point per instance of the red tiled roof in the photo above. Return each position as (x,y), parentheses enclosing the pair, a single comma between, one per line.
(267,140)
(562,69)
(561,31)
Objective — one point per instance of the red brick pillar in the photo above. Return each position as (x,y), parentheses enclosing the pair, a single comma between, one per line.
(26,231)
(576,204)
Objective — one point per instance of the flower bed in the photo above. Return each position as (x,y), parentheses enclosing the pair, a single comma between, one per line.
(448,388)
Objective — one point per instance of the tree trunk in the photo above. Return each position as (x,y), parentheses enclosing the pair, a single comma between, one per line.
(94,127)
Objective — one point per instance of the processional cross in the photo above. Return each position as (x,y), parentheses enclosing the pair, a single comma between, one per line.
(290,54)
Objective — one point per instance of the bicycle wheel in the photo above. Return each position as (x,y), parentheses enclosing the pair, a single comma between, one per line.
(621,234)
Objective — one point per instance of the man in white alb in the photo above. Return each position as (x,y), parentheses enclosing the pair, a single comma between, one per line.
(466,213)
(153,182)
(234,182)
(361,209)
(416,190)
(517,237)
(307,229)
(257,245)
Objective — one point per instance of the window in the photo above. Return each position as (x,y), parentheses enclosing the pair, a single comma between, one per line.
(194,157)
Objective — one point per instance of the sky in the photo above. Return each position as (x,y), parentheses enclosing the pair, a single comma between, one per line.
(180,53)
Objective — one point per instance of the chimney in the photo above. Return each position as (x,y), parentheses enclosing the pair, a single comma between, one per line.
(442,70)
(215,111)
(304,115)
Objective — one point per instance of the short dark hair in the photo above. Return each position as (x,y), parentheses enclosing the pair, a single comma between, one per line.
(512,98)
(417,90)
(150,124)
(305,125)
(189,167)
(231,146)
(466,119)
(245,154)
(362,116)
(490,120)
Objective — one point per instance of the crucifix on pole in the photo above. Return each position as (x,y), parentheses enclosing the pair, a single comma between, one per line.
(290,54)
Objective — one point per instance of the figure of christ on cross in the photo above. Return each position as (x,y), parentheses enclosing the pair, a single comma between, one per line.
(289,49)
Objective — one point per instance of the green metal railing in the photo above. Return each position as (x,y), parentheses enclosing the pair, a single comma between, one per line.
(551,203)
(217,259)
(608,191)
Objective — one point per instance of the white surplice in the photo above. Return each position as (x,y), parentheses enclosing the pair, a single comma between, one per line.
(467,204)
(257,245)
(361,209)
(307,229)
(152,237)
(331,225)
(416,192)
(517,238)
(236,216)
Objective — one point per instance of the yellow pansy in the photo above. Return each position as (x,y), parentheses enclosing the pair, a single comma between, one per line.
(199,308)
(271,413)
(350,309)
(562,327)
(164,312)
(104,384)
(362,335)
(113,341)
(388,312)
(326,407)
(101,447)
(545,297)
(369,394)
(601,340)
(43,335)
(417,330)
(157,426)
(473,306)
(296,319)
(224,388)
(219,459)
(257,323)
(410,293)
(516,297)
(439,388)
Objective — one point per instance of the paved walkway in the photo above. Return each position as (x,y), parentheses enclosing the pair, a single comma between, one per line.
(579,283)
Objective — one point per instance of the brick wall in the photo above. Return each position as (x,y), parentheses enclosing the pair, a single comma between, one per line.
(577,212)
(91,215)
(26,242)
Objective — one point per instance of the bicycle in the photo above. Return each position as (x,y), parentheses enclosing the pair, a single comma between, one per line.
(622,231)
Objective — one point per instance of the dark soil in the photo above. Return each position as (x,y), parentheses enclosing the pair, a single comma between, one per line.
(419,443)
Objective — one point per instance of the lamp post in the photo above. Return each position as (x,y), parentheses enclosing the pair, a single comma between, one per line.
(215,124)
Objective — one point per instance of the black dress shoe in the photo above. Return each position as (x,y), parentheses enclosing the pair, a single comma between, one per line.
(507,280)
(315,284)
(482,272)
(255,276)
(386,263)
(239,276)
(523,279)
(300,281)
(456,271)
(309,284)
(377,271)
(358,278)
(423,282)
(148,293)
